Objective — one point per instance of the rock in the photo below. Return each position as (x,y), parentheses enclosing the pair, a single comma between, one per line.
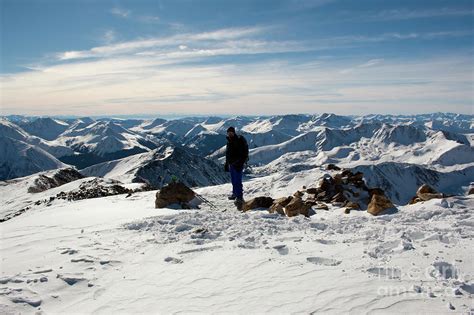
(346,173)
(471,191)
(326,183)
(175,192)
(379,203)
(277,208)
(322,206)
(311,201)
(258,202)
(426,192)
(339,198)
(338,179)
(356,177)
(296,207)
(283,201)
(352,205)
(61,177)
(333,167)
(313,191)
(426,189)
(298,194)
(347,211)
(279,205)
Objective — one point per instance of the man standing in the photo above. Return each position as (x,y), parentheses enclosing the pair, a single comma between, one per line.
(237,154)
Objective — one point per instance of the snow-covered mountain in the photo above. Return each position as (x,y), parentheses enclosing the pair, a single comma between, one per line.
(18,158)
(159,166)
(45,127)
(11,130)
(439,142)
(102,141)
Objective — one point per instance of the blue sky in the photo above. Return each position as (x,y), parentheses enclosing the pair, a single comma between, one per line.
(236,57)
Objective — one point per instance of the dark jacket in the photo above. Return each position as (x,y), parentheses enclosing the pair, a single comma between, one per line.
(237,152)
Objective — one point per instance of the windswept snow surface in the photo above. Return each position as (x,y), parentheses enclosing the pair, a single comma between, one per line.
(120,255)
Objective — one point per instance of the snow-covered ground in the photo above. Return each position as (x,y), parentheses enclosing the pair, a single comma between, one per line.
(121,255)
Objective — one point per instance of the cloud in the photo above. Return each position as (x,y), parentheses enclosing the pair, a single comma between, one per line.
(370,63)
(109,36)
(122,13)
(156,85)
(155,75)
(151,19)
(218,41)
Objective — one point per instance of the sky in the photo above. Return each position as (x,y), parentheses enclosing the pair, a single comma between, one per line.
(261,57)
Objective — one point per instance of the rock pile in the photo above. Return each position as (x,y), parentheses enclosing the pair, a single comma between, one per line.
(344,189)
(94,188)
(174,193)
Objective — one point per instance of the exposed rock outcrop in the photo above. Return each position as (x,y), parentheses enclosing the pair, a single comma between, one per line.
(61,177)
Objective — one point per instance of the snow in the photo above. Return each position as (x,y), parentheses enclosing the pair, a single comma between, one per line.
(120,255)
(18,158)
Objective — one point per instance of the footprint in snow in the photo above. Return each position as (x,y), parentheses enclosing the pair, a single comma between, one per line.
(68,251)
(323,261)
(23,296)
(173,260)
(72,278)
(281,249)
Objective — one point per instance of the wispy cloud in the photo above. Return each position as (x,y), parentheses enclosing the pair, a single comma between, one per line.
(109,36)
(120,12)
(154,73)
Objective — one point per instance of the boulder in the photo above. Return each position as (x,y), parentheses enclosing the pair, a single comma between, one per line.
(379,203)
(258,202)
(175,192)
(376,191)
(426,192)
(297,206)
(426,189)
(471,191)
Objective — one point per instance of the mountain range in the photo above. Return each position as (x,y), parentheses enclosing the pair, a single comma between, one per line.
(391,150)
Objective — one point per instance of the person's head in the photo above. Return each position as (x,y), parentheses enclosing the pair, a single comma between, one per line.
(230,132)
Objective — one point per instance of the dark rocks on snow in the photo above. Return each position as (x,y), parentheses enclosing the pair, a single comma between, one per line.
(61,177)
(94,188)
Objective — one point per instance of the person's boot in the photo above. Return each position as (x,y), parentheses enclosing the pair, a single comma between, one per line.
(232,197)
(239,203)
